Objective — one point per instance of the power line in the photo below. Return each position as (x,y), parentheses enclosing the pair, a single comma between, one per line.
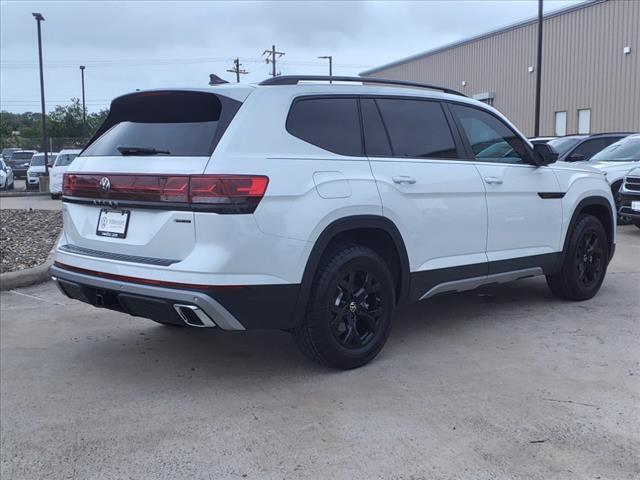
(272,60)
(236,69)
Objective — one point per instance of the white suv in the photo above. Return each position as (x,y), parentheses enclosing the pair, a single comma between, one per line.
(319,208)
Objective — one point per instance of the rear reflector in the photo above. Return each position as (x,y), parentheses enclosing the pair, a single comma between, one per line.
(226,193)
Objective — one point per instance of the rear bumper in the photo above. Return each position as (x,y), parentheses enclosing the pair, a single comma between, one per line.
(229,308)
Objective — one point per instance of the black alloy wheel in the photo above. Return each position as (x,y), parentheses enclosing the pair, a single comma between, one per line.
(356,309)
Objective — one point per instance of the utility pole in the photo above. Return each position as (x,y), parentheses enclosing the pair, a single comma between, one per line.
(272,53)
(84,108)
(538,71)
(236,69)
(39,18)
(330,58)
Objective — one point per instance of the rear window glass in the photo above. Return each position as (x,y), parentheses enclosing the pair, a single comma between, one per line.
(159,123)
(417,128)
(329,123)
(22,156)
(65,159)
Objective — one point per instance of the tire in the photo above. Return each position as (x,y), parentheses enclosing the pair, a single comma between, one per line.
(13,185)
(585,261)
(348,315)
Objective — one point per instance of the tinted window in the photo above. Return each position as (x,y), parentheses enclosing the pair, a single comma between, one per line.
(491,139)
(328,123)
(589,148)
(22,156)
(376,142)
(180,123)
(417,128)
(564,144)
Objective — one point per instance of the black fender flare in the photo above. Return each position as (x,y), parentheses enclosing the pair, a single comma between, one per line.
(345,224)
(582,204)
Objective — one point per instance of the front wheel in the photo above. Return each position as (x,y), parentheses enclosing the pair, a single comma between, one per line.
(585,261)
(348,317)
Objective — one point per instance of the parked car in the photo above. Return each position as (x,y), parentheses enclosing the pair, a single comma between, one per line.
(541,140)
(19,162)
(587,147)
(63,160)
(6,152)
(630,197)
(319,208)
(615,162)
(36,169)
(6,176)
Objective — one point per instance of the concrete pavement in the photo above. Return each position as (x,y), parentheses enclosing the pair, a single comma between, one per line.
(504,383)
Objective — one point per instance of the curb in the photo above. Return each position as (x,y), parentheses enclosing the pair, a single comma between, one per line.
(29,276)
(24,194)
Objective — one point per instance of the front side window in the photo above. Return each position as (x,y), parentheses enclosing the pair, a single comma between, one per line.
(491,140)
(589,148)
(331,123)
(417,128)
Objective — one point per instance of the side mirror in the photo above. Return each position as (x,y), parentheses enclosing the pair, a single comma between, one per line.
(544,154)
(576,157)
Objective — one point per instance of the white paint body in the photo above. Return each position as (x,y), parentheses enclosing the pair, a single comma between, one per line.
(449,217)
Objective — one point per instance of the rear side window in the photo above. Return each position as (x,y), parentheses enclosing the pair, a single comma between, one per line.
(376,141)
(159,123)
(417,128)
(331,123)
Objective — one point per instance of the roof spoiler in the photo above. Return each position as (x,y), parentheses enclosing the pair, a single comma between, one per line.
(295,79)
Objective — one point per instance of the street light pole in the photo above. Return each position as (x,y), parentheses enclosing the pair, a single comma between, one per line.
(330,58)
(84,108)
(39,18)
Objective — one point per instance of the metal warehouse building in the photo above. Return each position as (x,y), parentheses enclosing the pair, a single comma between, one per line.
(590,69)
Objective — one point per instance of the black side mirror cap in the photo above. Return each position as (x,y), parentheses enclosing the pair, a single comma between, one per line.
(544,154)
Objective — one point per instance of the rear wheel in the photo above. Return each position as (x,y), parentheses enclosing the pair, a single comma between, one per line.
(585,261)
(348,317)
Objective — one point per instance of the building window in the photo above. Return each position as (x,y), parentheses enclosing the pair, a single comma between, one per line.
(584,120)
(561,124)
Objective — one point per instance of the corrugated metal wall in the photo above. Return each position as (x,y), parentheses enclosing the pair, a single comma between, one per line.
(583,67)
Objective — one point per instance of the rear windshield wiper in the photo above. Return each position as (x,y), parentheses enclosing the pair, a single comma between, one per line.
(141,151)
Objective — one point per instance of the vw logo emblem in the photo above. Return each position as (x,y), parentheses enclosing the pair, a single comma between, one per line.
(105,185)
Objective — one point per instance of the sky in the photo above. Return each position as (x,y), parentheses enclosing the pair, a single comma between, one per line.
(153,44)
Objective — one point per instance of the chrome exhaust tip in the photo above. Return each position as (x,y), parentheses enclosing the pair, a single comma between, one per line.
(193,316)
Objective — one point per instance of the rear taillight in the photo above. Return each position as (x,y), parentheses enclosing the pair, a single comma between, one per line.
(221,193)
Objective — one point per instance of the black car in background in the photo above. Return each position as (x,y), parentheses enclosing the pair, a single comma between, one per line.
(19,162)
(7,152)
(575,148)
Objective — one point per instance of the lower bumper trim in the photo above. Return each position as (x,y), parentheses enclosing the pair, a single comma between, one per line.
(141,300)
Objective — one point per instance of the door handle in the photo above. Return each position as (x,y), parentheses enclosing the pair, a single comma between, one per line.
(493,180)
(403,179)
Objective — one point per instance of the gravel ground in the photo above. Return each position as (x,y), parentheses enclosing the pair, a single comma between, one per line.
(27,237)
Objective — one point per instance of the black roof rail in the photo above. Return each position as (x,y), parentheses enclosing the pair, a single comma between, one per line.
(294,79)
